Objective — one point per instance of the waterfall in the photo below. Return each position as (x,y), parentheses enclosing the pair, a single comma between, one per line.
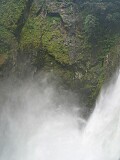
(38,121)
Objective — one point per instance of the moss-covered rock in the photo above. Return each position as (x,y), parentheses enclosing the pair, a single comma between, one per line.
(3,58)
(76,40)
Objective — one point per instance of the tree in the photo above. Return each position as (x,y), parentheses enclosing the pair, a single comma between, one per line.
(90,26)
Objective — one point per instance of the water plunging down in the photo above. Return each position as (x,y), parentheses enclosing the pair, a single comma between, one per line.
(37,122)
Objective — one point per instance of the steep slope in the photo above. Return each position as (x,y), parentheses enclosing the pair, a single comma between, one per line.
(76,40)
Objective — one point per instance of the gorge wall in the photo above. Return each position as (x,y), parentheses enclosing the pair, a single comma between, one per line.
(77,40)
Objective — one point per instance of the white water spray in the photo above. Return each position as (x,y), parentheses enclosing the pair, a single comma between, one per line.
(37,122)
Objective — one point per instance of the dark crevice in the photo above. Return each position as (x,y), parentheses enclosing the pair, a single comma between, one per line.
(22,19)
(57,15)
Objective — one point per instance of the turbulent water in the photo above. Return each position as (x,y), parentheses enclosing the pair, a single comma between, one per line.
(40,122)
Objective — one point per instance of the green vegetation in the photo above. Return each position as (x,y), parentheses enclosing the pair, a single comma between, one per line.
(75,40)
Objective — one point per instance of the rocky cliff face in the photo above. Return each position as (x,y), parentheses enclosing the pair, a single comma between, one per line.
(76,40)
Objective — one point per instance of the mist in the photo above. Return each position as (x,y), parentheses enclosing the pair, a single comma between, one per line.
(40,120)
